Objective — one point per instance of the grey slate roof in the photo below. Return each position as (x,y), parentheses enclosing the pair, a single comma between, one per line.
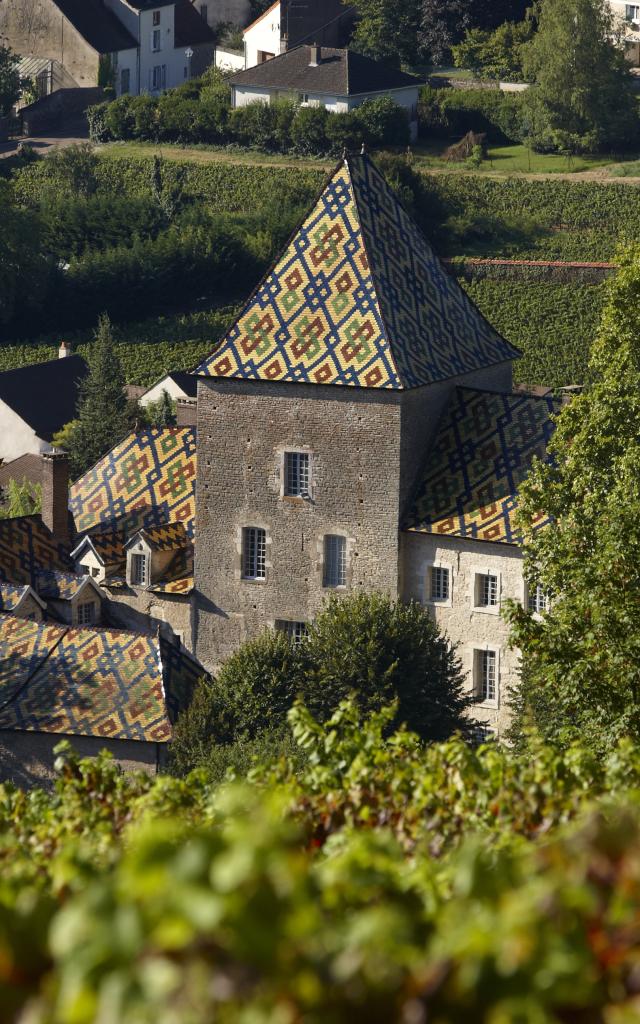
(44,395)
(339,73)
(96,23)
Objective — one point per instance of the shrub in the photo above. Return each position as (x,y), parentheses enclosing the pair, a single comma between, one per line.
(383,122)
(454,112)
(309,130)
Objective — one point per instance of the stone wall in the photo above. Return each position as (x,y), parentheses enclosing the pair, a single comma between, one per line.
(472,628)
(353,437)
(146,612)
(27,758)
(37,28)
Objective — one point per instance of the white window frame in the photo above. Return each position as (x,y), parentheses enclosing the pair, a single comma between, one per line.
(254,554)
(536,600)
(432,567)
(477,584)
(478,663)
(296,474)
(156,40)
(297,631)
(331,570)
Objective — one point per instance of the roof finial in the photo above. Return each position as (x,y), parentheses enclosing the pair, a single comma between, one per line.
(363,149)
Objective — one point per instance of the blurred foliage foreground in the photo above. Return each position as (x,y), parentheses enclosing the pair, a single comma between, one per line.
(365,878)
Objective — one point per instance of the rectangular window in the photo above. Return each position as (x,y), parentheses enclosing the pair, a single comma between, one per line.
(139,570)
(487,688)
(486,590)
(335,561)
(86,614)
(632,12)
(439,584)
(296,631)
(538,601)
(254,553)
(156,17)
(125,80)
(156,41)
(296,474)
(483,734)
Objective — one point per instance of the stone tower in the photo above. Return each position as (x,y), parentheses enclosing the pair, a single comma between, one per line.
(316,412)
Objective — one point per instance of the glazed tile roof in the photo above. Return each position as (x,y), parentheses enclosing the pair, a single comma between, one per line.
(358,298)
(11,596)
(83,682)
(108,546)
(178,578)
(61,586)
(168,537)
(147,480)
(27,545)
(483,450)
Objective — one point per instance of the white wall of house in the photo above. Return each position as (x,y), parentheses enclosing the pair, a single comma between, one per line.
(627,17)
(17,437)
(162,68)
(263,37)
(126,72)
(243,95)
(474,629)
(229,60)
(155,393)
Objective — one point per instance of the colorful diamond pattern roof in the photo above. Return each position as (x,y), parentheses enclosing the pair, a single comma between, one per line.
(83,682)
(62,586)
(179,578)
(147,480)
(11,596)
(482,452)
(168,537)
(358,298)
(26,545)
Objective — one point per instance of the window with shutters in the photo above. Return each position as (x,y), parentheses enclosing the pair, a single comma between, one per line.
(254,553)
(297,474)
(335,561)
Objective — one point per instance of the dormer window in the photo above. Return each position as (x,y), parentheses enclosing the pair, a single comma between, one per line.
(139,570)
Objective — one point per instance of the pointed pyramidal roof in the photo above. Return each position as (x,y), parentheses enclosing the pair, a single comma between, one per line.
(358,298)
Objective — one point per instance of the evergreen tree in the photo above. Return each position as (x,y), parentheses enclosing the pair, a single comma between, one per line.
(581,99)
(581,660)
(102,408)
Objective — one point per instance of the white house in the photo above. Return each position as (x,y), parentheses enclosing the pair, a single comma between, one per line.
(339,80)
(628,25)
(177,384)
(286,24)
(36,402)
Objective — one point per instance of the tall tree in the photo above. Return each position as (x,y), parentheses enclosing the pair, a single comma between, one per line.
(581,99)
(24,270)
(443,23)
(581,660)
(10,81)
(102,408)
(387,31)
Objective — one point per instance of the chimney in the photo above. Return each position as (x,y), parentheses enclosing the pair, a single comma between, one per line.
(55,494)
(315,55)
(64,350)
(186,412)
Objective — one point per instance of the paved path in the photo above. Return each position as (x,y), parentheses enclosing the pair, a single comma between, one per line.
(43,144)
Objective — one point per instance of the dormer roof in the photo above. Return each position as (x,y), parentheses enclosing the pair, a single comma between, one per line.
(358,298)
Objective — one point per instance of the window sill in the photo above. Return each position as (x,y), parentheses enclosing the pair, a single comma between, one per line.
(294,499)
(493,609)
(253,579)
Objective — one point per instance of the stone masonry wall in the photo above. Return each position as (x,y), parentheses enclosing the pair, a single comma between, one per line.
(146,612)
(473,629)
(27,758)
(243,429)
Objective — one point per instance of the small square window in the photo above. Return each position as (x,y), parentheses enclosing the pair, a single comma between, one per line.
(439,580)
(487,675)
(335,561)
(296,631)
(486,590)
(138,570)
(538,602)
(156,17)
(254,553)
(297,474)
(86,614)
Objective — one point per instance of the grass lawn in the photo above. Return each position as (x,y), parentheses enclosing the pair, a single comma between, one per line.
(211,154)
(510,159)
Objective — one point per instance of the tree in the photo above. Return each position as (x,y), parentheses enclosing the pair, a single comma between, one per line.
(161,413)
(443,23)
(495,55)
(24,271)
(102,408)
(74,168)
(10,81)
(387,31)
(21,499)
(582,659)
(365,645)
(581,99)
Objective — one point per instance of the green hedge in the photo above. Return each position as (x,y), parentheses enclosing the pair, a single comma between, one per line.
(451,113)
